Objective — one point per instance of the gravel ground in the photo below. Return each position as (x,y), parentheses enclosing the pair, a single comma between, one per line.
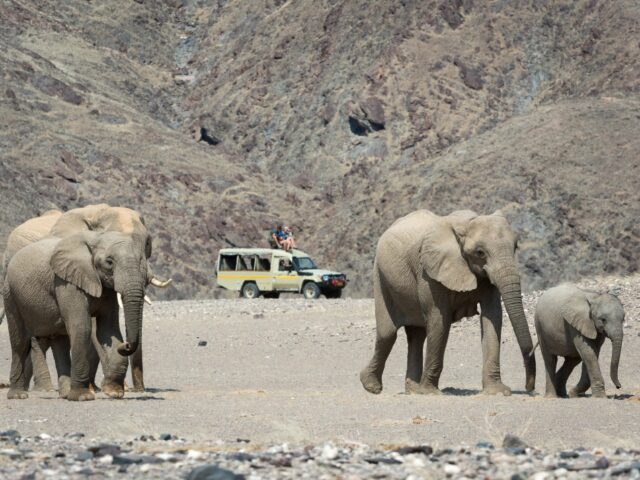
(269,388)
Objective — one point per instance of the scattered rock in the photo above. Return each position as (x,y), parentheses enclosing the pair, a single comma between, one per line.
(213,472)
(425,449)
(512,441)
(201,343)
(9,434)
(84,456)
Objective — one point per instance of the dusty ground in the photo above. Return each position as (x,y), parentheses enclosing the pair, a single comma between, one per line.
(287,371)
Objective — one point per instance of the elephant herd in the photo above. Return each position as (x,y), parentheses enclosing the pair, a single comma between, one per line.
(64,273)
(63,278)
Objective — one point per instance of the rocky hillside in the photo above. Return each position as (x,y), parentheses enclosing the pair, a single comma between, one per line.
(334,116)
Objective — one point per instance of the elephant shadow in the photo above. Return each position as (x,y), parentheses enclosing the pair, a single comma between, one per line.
(470,392)
(160,390)
(461,392)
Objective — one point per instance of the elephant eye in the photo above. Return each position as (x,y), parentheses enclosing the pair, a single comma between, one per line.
(108,262)
(480,253)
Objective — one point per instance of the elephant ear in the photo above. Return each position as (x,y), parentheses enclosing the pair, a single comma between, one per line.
(72,261)
(577,312)
(441,256)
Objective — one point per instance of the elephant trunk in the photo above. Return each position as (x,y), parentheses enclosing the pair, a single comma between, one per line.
(132,303)
(615,359)
(508,282)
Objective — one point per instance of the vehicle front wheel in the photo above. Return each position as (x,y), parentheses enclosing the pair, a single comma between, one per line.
(250,290)
(311,290)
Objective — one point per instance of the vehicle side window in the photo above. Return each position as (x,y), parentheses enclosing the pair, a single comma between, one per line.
(246,262)
(264,263)
(284,265)
(228,262)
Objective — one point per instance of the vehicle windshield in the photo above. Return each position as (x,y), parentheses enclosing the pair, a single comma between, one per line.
(303,263)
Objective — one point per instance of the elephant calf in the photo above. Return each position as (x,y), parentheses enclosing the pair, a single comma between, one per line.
(573,323)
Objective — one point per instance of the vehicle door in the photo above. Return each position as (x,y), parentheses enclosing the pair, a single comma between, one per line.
(286,277)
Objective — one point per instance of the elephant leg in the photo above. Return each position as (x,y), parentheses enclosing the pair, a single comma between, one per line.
(591,375)
(588,350)
(386,334)
(371,375)
(583,384)
(415,344)
(137,377)
(74,313)
(490,333)
(20,346)
(109,337)
(61,346)
(437,336)
(94,362)
(80,367)
(562,375)
(41,376)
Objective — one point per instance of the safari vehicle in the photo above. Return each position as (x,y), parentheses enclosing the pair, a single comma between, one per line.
(269,272)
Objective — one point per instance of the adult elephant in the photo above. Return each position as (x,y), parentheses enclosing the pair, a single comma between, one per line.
(66,290)
(99,218)
(431,271)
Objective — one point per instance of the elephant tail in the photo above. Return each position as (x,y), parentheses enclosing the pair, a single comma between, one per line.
(2,315)
(533,350)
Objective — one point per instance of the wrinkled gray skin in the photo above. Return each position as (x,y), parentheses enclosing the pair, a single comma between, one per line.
(101,217)
(54,287)
(431,271)
(573,323)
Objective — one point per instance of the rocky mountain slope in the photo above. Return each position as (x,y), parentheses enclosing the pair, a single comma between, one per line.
(337,117)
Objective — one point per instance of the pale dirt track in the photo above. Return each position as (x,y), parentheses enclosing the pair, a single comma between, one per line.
(287,371)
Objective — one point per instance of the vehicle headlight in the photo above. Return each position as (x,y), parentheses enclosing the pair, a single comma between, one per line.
(325,278)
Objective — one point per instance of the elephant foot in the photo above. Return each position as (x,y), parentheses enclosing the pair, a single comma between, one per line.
(113,389)
(550,395)
(80,395)
(43,387)
(576,392)
(64,387)
(138,388)
(413,388)
(598,393)
(496,388)
(15,394)
(371,382)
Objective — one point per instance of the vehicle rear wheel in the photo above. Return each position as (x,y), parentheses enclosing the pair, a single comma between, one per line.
(311,290)
(271,294)
(250,290)
(333,293)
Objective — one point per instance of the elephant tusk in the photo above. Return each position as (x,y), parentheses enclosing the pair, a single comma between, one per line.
(119,300)
(160,284)
(148,300)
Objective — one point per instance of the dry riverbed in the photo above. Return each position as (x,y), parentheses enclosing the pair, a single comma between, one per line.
(269,388)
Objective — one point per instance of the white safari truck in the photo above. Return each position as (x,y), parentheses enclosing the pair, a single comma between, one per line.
(268,272)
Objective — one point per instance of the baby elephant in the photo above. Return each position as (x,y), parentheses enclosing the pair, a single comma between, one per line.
(572,323)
